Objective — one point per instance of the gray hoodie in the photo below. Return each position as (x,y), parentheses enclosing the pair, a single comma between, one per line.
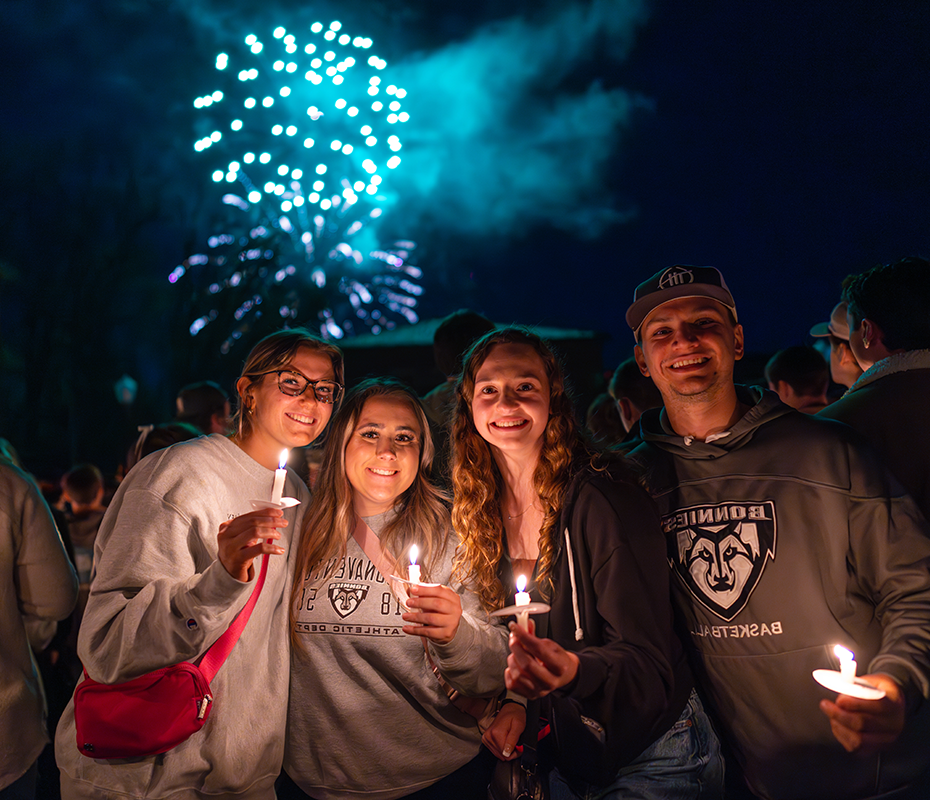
(785,538)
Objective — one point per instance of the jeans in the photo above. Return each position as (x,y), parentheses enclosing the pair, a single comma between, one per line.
(684,764)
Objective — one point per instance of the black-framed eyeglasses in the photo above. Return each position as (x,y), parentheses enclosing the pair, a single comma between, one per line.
(293,384)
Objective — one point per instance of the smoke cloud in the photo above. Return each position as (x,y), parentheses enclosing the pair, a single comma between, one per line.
(509,129)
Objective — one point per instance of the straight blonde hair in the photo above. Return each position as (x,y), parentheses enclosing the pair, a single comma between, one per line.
(422,512)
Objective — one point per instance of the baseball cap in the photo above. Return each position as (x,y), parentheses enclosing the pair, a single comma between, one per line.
(837,326)
(672,283)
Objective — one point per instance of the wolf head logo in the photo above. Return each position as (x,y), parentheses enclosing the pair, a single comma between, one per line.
(346,597)
(721,563)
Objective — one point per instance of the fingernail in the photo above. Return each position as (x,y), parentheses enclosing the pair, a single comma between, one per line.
(507,751)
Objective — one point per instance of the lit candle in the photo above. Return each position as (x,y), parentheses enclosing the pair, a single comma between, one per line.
(279,475)
(847,663)
(522,599)
(413,571)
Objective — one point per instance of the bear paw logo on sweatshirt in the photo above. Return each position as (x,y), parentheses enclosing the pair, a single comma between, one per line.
(346,597)
(720,552)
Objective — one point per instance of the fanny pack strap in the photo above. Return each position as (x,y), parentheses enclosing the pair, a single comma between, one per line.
(214,658)
(371,547)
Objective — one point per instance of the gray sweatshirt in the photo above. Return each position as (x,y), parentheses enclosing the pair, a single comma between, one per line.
(367,717)
(160,596)
(37,586)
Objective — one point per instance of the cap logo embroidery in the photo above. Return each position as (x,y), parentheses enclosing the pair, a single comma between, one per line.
(675,276)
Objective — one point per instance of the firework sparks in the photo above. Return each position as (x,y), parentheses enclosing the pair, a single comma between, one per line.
(309,130)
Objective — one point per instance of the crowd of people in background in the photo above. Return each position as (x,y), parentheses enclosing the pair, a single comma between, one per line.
(693,549)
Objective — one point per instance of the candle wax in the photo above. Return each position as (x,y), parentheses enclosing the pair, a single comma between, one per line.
(277,489)
(522,599)
(847,663)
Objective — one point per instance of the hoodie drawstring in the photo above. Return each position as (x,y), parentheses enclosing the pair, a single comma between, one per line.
(579,632)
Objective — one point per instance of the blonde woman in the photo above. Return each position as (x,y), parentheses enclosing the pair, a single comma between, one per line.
(368,716)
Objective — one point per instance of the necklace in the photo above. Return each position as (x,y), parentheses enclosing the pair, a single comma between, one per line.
(514,516)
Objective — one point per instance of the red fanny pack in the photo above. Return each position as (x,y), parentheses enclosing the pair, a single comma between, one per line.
(145,716)
(157,711)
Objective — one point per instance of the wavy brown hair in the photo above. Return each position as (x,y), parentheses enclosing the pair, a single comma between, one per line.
(477,482)
(422,512)
(276,351)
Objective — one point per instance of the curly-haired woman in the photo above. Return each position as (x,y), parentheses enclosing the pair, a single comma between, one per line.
(532,499)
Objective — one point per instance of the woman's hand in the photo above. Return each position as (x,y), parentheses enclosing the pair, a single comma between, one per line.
(536,667)
(502,737)
(242,539)
(436,610)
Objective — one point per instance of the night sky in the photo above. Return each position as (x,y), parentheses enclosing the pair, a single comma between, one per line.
(557,155)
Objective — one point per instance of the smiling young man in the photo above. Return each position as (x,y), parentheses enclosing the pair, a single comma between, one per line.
(785,538)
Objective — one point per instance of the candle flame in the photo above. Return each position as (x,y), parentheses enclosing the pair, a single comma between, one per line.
(842,653)
(282,461)
(521,583)
(414,552)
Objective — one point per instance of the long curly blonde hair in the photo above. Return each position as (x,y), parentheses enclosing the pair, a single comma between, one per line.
(478,485)
(422,512)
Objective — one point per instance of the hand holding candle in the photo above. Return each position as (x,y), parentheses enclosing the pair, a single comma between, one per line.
(845,681)
(522,599)
(413,571)
(280,474)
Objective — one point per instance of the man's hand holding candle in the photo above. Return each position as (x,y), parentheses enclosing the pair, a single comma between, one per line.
(867,726)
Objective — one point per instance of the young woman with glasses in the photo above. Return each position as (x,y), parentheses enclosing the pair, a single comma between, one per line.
(177,557)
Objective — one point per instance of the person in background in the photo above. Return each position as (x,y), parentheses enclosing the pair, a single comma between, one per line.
(889,318)
(634,393)
(205,406)
(82,501)
(452,338)
(177,557)
(602,421)
(368,717)
(609,673)
(38,586)
(844,369)
(786,537)
(800,377)
(156,437)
